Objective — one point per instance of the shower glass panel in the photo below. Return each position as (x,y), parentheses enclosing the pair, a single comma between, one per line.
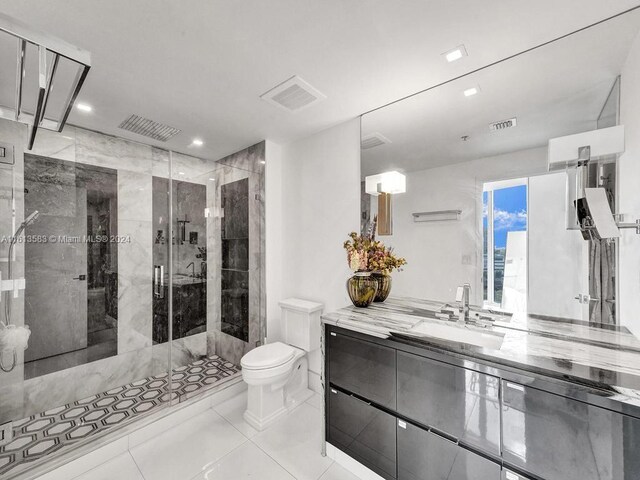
(77,216)
(218,271)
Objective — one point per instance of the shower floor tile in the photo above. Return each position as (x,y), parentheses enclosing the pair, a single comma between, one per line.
(40,435)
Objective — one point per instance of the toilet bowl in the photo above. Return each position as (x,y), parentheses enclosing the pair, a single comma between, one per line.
(277,374)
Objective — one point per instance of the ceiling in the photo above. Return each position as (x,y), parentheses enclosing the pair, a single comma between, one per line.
(557,90)
(201,65)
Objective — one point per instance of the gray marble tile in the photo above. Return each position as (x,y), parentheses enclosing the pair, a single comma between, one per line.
(61,146)
(134,196)
(135,286)
(106,151)
(250,159)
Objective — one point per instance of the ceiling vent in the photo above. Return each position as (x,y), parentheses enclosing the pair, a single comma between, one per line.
(149,128)
(293,95)
(373,140)
(502,124)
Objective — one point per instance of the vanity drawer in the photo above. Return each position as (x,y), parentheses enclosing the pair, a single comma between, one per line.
(423,455)
(553,437)
(362,431)
(362,367)
(459,402)
(509,475)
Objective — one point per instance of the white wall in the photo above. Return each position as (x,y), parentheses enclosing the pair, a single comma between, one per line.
(443,255)
(320,206)
(558,258)
(629,198)
(273,238)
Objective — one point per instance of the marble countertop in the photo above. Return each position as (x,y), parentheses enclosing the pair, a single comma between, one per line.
(607,358)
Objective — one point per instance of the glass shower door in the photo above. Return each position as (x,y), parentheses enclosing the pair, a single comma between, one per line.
(77,212)
(217,264)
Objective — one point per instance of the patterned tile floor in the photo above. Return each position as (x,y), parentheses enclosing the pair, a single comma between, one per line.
(42,434)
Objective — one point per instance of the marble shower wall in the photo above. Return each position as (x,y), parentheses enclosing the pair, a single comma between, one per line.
(246,164)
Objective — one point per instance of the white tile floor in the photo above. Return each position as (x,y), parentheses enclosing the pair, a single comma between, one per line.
(219,445)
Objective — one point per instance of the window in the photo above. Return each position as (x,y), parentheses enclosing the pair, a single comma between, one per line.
(504,225)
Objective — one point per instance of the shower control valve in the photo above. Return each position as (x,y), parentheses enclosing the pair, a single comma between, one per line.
(14,286)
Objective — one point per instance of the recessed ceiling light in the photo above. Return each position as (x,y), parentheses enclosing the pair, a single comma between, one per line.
(263,162)
(471,91)
(180,173)
(455,54)
(84,107)
(197,142)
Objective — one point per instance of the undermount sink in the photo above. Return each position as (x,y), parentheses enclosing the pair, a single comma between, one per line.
(459,333)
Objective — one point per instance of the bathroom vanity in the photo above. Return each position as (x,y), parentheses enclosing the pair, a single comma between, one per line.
(524,398)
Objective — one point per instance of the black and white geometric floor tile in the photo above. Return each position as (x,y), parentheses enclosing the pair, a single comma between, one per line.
(42,434)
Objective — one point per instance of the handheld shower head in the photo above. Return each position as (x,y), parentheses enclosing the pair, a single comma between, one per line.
(31,218)
(28,221)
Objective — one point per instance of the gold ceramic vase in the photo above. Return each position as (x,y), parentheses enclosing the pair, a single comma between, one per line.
(384,286)
(362,288)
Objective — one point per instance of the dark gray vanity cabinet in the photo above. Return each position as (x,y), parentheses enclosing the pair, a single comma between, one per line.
(363,431)
(555,437)
(423,455)
(462,403)
(364,368)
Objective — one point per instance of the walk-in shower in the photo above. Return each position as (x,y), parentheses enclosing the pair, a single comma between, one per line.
(137,275)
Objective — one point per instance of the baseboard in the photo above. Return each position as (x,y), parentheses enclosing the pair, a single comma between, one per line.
(94,454)
(350,464)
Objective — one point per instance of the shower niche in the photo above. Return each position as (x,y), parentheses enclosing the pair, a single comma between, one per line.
(235,259)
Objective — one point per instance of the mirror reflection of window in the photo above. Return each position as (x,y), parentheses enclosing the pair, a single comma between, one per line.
(504,248)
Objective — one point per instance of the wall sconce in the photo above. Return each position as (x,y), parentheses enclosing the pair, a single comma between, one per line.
(383,185)
(388,182)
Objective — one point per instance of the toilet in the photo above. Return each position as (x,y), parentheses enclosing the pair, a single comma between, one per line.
(278,373)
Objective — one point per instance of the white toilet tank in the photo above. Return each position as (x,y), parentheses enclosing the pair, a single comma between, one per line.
(301,323)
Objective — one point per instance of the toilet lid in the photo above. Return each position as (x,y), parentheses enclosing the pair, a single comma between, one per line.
(267,356)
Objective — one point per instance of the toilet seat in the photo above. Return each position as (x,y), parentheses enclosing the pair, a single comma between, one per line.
(268,356)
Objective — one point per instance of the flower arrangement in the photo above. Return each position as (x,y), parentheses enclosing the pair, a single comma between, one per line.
(366,254)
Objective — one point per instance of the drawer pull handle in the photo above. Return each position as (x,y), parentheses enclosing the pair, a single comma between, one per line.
(334,334)
(334,391)
(402,424)
(360,400)
(514,386)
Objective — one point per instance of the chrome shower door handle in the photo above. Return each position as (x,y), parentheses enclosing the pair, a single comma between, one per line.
(158,281)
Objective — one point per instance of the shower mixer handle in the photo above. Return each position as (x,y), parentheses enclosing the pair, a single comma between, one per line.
(80,277)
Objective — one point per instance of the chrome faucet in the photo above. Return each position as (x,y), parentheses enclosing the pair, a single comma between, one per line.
(462,295)
(193,269)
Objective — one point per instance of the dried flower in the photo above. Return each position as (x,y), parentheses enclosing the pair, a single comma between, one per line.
(365,254)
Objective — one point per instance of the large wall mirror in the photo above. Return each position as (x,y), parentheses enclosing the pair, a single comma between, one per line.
(497,181)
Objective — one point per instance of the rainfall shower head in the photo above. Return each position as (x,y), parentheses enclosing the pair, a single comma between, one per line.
(41,60)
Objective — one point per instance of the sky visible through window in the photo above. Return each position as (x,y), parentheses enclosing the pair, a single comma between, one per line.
(509,213)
